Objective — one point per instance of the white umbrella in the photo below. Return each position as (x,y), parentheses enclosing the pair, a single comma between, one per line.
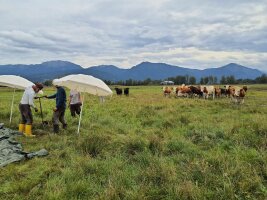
(84,83)
(15,82)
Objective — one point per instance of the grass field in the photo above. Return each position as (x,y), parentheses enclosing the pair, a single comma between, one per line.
(145,146)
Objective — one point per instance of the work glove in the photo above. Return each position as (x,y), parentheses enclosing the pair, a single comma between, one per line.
(36,109)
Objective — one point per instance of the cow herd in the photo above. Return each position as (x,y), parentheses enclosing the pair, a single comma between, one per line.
(236,93)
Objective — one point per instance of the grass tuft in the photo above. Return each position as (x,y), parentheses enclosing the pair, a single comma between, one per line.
(93,145)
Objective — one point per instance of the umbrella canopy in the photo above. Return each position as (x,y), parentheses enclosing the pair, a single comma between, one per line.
(13,81)
(84,83)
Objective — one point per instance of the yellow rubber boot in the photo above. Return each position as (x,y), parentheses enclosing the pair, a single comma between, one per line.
(21,128)
(28,131)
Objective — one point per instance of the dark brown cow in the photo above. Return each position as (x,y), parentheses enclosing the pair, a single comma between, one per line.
(126,91)
(118,91)
(196,90)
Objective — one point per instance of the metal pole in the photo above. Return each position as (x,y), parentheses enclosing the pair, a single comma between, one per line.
(11,110)
(80,118)
(41,109)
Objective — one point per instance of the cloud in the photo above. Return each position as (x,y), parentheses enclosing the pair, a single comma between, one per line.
(197,34)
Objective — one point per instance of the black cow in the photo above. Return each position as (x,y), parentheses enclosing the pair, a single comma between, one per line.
(118,91)
(225,92)
(126,91)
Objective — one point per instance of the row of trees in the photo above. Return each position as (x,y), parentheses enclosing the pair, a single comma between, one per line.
(188,80)
(131,82)
(231,80)
(191,80)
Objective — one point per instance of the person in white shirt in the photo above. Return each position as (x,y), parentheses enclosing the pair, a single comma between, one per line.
(25,105)
(75,103)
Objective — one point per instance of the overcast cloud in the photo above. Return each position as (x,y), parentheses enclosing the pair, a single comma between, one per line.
(195,34)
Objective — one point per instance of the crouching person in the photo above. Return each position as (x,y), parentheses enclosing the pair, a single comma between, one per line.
(59,110)
(25,105)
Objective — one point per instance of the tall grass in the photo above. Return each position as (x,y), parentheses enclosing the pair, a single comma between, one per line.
(144,146)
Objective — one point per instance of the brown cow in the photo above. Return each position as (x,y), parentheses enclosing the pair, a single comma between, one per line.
(237,93)
(183,91)
(218,92)
(167,91)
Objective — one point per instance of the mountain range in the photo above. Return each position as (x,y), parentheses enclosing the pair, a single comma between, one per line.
(155,71)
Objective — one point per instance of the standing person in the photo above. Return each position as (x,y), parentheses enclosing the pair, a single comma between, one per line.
(75,102)
(59,110)
(25,105)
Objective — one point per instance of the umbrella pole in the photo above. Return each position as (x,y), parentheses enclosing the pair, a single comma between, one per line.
(11,109)
(80,118)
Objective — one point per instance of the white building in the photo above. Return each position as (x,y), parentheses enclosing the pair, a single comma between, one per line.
(167,83)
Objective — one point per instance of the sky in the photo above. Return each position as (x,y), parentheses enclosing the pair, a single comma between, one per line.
(195,34)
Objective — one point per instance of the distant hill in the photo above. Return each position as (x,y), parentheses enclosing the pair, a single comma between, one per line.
(239,71)
(107,72)
(155,71)
(41,72)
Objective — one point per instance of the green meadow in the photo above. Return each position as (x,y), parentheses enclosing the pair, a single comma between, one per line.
(144,146)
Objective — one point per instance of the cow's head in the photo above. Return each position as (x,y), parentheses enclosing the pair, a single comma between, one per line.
(227,87)
(217,91)
(231,90)
(242,93)
(245,88)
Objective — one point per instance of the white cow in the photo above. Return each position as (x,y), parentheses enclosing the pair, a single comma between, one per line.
(208,90)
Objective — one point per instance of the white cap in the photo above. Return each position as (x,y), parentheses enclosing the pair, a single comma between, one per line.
(55,82)
(40,92)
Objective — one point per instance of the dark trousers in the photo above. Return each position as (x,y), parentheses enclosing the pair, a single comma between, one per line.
(59,116)
(26,114)
(75,109)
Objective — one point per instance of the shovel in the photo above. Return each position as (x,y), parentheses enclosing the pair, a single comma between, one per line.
(41,110)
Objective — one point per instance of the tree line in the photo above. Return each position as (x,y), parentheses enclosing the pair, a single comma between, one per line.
(188,80)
